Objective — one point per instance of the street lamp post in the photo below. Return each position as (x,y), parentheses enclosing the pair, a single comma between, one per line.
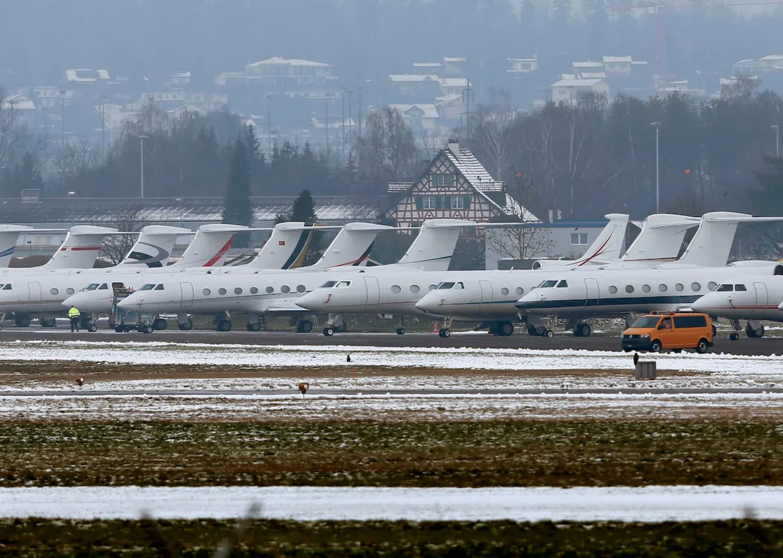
(179,202)
(776,127)
(70,197)
(141,140)
(657,169)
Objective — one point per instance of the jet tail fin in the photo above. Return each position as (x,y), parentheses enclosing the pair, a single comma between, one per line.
(9,236)
(711,245)
(433,249)
(660,239)
(351,246)
(209,246)
(285,248)
(80,249)
(154,246)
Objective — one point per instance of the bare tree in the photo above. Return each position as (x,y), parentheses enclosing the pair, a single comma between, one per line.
(386,150)
(73,160)
(522,242)
(116,247)
(492,139)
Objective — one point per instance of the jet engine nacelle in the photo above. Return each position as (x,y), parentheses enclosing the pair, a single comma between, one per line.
(764,265)
(551,264)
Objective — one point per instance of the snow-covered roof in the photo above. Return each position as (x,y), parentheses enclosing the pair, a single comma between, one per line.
(593,75)
(428,110)
(86,75)
(18,102)
(772,58)
(445,100)
(288,61)
(458,59)
(611,59)
(413,78)
(576,83)
(427,65)
(455,82)
(587,64)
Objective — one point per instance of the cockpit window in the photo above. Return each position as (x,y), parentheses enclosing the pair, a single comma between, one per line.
(103,287)
(563,284)
(159,287)
(740,288)
(91,287)
(547,284)
(328,284)
(459,286)
(7,287)
(725,288)
(148,287)
(342,285)
(445,285)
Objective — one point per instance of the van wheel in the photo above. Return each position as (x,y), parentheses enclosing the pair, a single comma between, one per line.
(656,346)
(714,330)
(701,348)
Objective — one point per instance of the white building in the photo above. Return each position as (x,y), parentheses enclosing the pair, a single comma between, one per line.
(282,73)
(86,76)
(454,85)
(419,116)
(454,66)
(522,65)
(569,90)
(617,65)
(451,107)
(427,68)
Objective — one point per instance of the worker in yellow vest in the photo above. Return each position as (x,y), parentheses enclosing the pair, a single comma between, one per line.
(74,314)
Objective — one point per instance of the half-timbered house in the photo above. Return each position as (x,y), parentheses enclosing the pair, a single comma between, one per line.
(455,185)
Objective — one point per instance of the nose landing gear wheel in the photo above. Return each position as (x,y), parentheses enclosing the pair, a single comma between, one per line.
(93,328)
(160,324)
(328,331)
(254,327)
(734,336)
(549,333)
(400,331)
(224,325)
(187,326)
(445,332)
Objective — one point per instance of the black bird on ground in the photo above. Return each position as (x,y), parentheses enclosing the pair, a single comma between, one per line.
(635,359)
(348,359)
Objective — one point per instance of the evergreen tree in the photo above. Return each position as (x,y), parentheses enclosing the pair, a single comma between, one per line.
(237,208)
(25,174)
(769,197)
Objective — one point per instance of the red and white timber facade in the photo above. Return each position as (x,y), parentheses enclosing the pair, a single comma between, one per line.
(454,186)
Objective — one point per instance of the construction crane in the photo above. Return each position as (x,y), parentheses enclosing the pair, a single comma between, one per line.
(659,8)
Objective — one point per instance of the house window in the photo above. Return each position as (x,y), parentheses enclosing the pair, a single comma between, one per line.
(445,180)
(578,239)
(429,202)
(457,202)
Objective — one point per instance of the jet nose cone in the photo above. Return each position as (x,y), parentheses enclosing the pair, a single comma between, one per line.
(430,304)
(780,306)
(129,303)
(311,301)
(529,301)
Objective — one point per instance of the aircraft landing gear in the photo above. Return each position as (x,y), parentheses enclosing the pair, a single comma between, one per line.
(224,325)
(444,332)
(401,326)
(737,327)
(504,329)
(304,326)
(159,324)
(47,323)
(582,329)
(185,326)
(335,324)
(22,320)
(754,329)
(328,331)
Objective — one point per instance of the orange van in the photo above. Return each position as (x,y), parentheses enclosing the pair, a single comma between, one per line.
(671,331)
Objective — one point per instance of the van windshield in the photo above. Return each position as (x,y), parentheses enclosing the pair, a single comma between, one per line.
(646,322)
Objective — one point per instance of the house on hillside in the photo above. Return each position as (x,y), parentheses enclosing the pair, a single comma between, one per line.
(419,117)
(568,90)
(453,186)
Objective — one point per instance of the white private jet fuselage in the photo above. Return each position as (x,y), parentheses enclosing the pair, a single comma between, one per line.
(587,294)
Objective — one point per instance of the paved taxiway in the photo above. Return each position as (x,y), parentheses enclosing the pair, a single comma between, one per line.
(385,392)
(763,347)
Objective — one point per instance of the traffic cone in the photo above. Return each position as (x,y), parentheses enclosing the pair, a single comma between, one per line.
(435,327)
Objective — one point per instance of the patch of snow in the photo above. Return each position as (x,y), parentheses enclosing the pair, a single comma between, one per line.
(653,503)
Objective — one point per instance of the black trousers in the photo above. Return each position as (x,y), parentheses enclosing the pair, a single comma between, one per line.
(75,324)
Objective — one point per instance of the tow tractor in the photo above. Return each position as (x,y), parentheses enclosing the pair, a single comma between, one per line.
(123,320)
